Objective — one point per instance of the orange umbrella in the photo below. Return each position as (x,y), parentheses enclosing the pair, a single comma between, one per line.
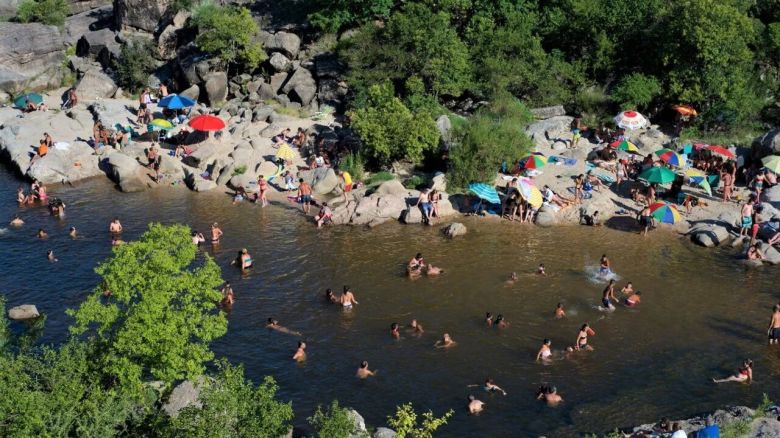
(685,110)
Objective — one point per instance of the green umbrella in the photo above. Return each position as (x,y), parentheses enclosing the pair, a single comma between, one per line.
(21,101)
(658,175)
(162,124)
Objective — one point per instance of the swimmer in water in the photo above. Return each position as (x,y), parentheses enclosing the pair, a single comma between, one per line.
(445,342)
(628,289)
(363,372)
(394,331)
(197,238)
(634,299)
(489,319)
(773,332)
(475,406)
(431,270)
(16,221)
(115,227)
(348,298)
(415,266)
(227,295)
(50,256)
(512,278)
(608,295)
(116,242)
(490,386)
(559,311)
(330,297)
(300,353)
(72,233)
(500,322)
(743,374)
(245,260)
(416,327)
(604,268)
(273,324)
(544,352)
(582,338)
(216,233)
(42,234)
(540,270)
(549,394)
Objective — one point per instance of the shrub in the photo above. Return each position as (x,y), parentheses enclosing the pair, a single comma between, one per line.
(405,422)
(636,91)
(52,12)
(379,177)
(229,33)
(239,170)
(494,135)
(414,181)
(390,131)
(334,423)
(134,64)
(353,164)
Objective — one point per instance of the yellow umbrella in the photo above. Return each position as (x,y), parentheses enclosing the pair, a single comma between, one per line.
(285,152)
(534,197)
(772,163)
(694,172)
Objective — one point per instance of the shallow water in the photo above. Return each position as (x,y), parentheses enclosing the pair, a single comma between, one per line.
(702,312)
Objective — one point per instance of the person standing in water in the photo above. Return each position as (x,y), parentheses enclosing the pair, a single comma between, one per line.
(604,267)
(227,294)
(774,326)
(634,299)
(330,297)
(72,233)
(544,352)
(416,327)
(115,227)
(609,295)
(363,372)
(628,289)
(445,342)
(348,298)
(394,331)
(304,195)
(16,221)
(582,338)
(300,353)
(216,233)
(50,256)
(262,186)
(559,311)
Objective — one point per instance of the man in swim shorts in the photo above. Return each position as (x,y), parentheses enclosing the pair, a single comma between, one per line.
(609,294)
(304,195)
(774,326)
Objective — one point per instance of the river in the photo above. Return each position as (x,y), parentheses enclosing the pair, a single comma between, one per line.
(702,311)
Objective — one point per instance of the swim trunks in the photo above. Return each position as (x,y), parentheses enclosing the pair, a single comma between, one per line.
(775,334)
(747,221)
(605,303)
(306,199)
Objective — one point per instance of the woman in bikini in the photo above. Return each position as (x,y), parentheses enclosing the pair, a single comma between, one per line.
(216,233)
(582,338)
(262,185)
(348,298)
(743,374)
(544,352)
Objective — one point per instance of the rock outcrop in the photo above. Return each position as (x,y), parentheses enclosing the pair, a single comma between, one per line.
(183,395)
(25,311)
(140,14)
(454,230)
(95,84)
(709,234)
(128,173)
(31,57)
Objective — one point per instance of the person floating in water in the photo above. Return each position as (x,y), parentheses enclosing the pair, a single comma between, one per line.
(416,327)
(773,332)
(604,268)
(394,332)
(348,298)
(490,386)
(363,372)
(634,299)
(609,295)
(50,256)
(16,221)
(544,352)
(475,406)
(445,342)
(273,324)
(743,374)
(559,311)
(300,353)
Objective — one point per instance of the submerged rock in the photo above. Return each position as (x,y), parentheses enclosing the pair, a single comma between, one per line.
(454,229)
(25,311)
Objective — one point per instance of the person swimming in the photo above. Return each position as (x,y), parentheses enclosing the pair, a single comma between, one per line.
(540,270)
(227,295)
(544,352)
(394,332)
(416,327)
(628,289)
(42,234)
(73,233)
(549,394)
(489,319)
(348,298)
(50,256)
(273,324)
(490,386)
(445,342)
(475,406)
(512,278)
(16,221)
(634,299)
(300,353)
(197,238)
(363,372)
(500,322)
(559,311)
(330,297)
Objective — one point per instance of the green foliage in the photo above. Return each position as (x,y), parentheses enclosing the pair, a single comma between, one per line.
(134,65)
(763,407)
(162,310)
(379,177)
(636,91)
(334,423)
(736,429)
(239,170)
(233,407)
(492,136)
(405,422)
(414,182)
(390,131)
(354,165)
(51,12)
(333,15)
(228,33)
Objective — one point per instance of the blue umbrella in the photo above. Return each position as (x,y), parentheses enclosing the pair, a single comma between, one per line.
(485,192)
(174,101)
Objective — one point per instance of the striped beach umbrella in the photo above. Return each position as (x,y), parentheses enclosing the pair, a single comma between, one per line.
(533,161)
(625,145)
(720,150)
(671,157)
(485,192)
(665,212)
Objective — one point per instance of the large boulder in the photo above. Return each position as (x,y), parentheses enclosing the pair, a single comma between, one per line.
(192,92)
(82,6)
(546,217)
(95,84)
(142,15)
(301,86)
(287,43)
(183,395)
(65,165)
(326,183)
(279,62)
(771,255)
(202,157)
(392,187)
(709,235)
(772,196)
(384,432)
(167,42)
(128,173)
(651,140)
(217,88)
(86,22)
(444,125)
(332,92)
(767,144)
(25,311)
(31,57)
(454,230)
(548,112)
(92,43)
(359,423)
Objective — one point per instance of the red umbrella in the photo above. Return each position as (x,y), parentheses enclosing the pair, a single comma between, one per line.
(207,122)
(720,150)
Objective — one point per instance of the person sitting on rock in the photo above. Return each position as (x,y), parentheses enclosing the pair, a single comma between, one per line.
(300,138)
(325,215)
(73,98)
(30,106)
(43,149)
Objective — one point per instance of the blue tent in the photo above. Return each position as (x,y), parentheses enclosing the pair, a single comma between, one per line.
(174,101)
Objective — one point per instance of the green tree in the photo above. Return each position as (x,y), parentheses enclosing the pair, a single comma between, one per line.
(390,131)
(161,313)
(52,12)
(405,422)
(492,136)
(636,91)
(135,64)
(332,15)
(229,33)
(233,407)
(333,423)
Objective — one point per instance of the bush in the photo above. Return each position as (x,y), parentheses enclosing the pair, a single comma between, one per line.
(135,64)
(405,422)
(414,182)
(636,91)
(390,131)
(228,33)
(239,170)
(379,177)
(51,12)
(335,423)
(492,136)
(353,164)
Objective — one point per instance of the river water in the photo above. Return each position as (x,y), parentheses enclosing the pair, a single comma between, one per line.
(702,311)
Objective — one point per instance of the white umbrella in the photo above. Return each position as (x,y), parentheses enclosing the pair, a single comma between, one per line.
(630,120)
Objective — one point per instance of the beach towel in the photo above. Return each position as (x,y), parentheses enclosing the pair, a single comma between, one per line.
(565,161)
